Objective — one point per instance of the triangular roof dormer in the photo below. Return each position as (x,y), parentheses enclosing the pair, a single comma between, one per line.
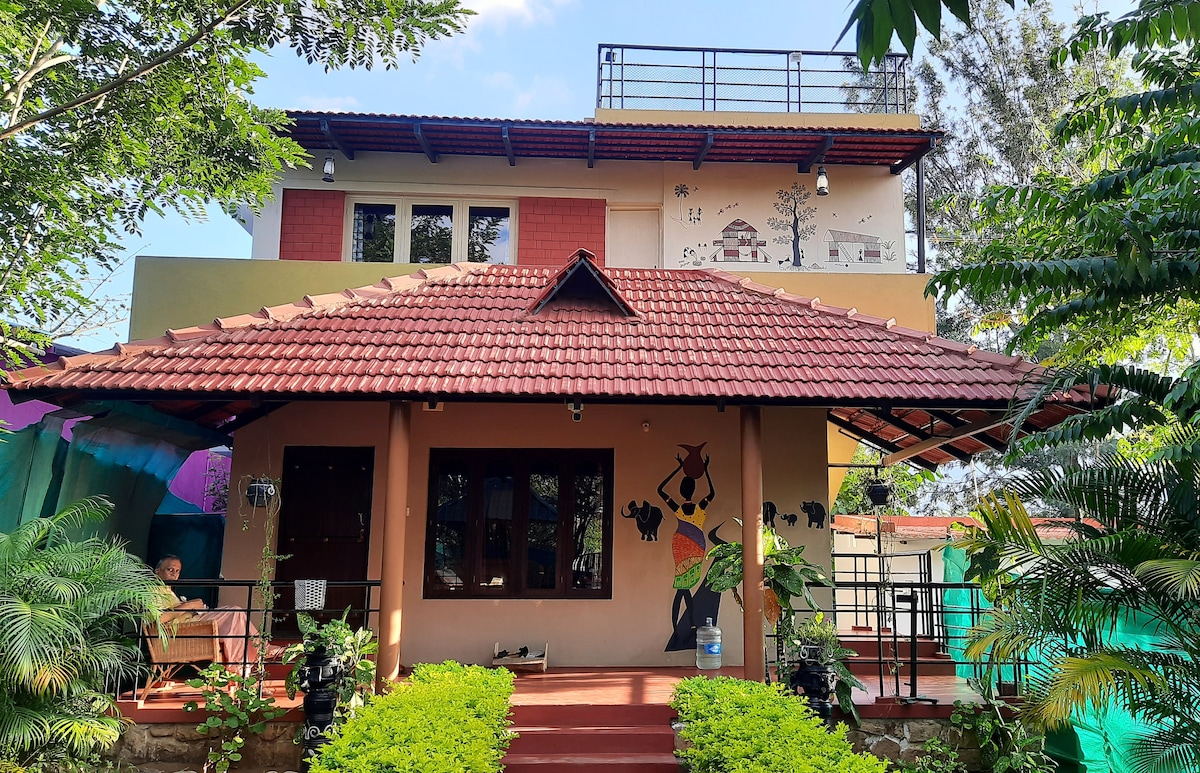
(582,280)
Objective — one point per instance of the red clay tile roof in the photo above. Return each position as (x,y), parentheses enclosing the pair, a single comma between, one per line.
(466,331)
(940,526)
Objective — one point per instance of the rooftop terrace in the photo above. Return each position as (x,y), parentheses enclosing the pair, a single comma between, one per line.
(750,80)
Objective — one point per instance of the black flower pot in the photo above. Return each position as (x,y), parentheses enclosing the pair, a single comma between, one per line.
(815,683)
(260,492)
(318,679)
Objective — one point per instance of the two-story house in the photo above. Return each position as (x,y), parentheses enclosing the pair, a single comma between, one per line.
(574,355)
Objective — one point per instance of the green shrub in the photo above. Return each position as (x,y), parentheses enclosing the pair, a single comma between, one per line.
(747,727)
(445,718)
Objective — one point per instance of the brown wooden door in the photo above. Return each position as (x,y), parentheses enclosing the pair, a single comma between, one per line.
(325,526)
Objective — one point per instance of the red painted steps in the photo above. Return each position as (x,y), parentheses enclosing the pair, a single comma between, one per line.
(930,662)
(631,738)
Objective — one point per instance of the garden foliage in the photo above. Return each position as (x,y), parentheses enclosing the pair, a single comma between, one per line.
(445,718)
(65,605)
(750,727)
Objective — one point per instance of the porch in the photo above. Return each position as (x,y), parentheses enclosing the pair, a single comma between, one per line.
(911,667)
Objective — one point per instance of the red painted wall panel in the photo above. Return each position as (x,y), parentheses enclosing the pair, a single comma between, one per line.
(550,230)
(312,225)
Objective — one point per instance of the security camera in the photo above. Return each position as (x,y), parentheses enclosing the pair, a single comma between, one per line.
(576,408)
(577,415)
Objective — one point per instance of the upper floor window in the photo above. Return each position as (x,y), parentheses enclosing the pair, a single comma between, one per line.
(431,231)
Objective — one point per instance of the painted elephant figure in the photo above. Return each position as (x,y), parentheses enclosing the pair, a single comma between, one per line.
(769,513)
(790,518)
(648,518)
(816,514)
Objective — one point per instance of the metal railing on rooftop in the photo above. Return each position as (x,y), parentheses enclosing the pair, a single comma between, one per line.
(753,80)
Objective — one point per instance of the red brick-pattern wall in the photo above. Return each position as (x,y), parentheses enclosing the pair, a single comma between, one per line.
(549,230)
(312,225)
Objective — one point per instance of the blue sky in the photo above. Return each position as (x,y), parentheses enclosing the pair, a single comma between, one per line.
(517,59)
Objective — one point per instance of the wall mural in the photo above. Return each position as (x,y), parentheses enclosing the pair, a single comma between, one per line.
(802,232)
(693,600)
(648,518)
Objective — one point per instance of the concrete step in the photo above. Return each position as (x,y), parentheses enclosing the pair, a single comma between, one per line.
(613,762)
(559,740)
(936,665)
(593,715)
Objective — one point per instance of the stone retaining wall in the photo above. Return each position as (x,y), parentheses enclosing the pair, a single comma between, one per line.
(904,739)
(180,743)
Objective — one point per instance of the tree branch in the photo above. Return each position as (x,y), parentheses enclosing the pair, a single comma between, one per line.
(133,75)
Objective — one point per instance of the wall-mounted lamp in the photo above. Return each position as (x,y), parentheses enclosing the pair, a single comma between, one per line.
(328,169)
(575,406)
(822,182)
(645,426)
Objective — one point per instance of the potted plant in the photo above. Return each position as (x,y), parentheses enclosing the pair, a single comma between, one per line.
(816,658)
(786,575)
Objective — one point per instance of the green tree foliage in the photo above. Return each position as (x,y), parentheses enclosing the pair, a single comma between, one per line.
(63,606)
(110,111)
(1112,259)
(904,480)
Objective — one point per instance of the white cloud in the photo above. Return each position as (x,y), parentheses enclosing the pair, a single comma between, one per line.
(342,104)
(500,12)
(541,93)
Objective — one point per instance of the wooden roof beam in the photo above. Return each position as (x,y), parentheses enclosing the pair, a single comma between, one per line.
(818,155)
(423,141)
(508,148)
(913,157)
(914,431)
(336,141)
(878,442)
(707,146)
(965,431)
(955,421)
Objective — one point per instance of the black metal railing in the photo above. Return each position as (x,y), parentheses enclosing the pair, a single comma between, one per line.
(756,80)
(238,600)
(926,636)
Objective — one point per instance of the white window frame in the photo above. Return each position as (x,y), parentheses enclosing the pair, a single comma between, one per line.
(404,204)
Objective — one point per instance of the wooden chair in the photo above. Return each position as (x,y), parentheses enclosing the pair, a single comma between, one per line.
(188,641)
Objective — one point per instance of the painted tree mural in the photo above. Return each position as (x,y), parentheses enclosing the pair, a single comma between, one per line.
(797,218)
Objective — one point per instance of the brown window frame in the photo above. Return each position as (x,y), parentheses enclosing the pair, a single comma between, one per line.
(476,461)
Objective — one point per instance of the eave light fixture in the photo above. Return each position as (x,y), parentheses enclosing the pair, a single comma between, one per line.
(328,169)
(822,182)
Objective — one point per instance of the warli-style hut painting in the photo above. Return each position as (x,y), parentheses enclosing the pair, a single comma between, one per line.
(850,247)
(739,243)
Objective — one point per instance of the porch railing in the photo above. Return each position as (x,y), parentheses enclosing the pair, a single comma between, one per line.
(758,80)
(359,599)
(920,630)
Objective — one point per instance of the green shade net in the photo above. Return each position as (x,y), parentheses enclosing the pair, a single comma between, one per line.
(33,460)
(128,454)
(1099,739)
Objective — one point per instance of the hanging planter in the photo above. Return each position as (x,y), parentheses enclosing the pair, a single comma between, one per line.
(260,492)
(879,493)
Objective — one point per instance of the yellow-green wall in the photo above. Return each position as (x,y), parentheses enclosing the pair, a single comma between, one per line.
(180,292)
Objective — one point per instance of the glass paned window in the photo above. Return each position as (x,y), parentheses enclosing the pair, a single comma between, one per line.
(587,529)
(488,241)
(431,235)
(497,526)
(450,530)
(374,237)
(519,523)
(541,559)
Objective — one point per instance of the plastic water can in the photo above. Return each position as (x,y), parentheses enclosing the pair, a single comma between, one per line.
(708,646)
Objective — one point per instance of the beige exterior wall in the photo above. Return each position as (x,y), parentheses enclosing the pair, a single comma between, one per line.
(863,212)
(741,118)
(630,628)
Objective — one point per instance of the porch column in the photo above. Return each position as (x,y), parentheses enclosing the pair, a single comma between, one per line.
(752,546)
(395,517)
